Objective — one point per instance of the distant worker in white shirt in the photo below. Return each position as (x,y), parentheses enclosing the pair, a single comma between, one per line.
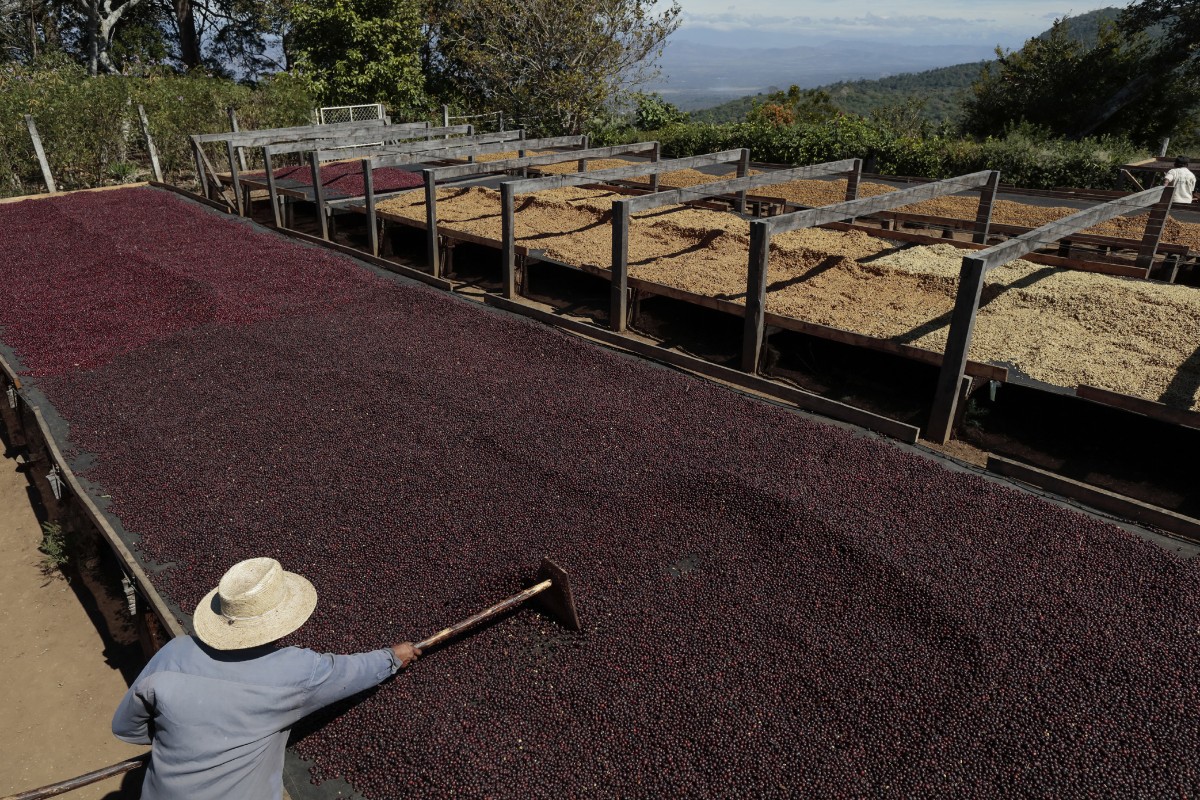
(1183,179)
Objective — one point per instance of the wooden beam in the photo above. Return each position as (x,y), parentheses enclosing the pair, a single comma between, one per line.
(431,232)
(871,205)
(314,164)
(372,220)
(460,147)
(1026,243)
(983,217)
(201,178)
(1155,222)
(1101,499)
(655,157)
(743,170)
(277,135)
(703,191)
(234,179)
(958,342)
(493,167)
(361,144)
(233,126)
(1138,405)
(272,189)
(151,150)
(527,185)
(756,295)
(508,240)
(619,299)
(41,154)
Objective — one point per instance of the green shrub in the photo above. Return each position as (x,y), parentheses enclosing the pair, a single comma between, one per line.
(90,128)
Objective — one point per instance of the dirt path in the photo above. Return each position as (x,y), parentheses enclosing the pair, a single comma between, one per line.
(58,688)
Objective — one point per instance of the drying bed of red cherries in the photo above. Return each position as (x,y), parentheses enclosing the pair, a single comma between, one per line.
(346,178)
(772,607)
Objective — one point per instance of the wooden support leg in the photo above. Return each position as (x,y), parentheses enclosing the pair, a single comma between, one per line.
(318,194)
(756,295)
(431,224)
(619,288)
(41,154)
(954,362)
(235,180)
(1154,228)
(508,241)
(743,169)
(987,199)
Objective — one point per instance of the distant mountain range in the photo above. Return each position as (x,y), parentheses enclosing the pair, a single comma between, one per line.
(723,81)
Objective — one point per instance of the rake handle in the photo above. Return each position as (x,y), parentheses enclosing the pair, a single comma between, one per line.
(486,614)
(55,789)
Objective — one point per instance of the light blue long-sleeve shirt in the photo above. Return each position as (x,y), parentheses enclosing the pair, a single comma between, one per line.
(218,720)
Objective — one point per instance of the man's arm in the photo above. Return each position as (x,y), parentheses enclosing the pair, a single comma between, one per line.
(336,677)
(131,722)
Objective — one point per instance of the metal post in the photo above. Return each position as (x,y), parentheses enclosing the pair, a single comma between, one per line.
(987,199)
(619,298)
(958,343)
(508,239)
(41,154)
(756,294)
(150,148)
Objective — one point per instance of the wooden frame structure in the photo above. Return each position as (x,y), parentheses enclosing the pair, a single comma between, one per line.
(623,211)
(436,150)
(316,156)
(523,162)
(236,141)
(761,232)
(977,265)
(510,189)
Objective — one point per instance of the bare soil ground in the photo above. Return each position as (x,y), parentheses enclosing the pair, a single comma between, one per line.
(59,680)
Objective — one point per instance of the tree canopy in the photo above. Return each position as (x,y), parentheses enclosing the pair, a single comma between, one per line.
(549,64)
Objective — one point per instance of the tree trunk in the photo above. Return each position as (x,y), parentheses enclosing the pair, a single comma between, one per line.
(189,42)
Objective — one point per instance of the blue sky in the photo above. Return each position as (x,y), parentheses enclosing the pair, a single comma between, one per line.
(1004,22)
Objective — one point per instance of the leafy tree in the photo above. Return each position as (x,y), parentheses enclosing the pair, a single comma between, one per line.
(654,113)
(360,51)
(795,106)
(550,64)
(1059,83)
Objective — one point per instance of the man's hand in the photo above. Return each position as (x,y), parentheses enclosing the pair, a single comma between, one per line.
(406,653)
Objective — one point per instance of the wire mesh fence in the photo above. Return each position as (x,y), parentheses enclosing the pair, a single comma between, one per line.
(329,115)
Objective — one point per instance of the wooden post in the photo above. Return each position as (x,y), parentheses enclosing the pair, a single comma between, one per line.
(743,169)
(1155,222)
(508,240)
(369,196)
(41,154)
(150,148)
(958,343)
(234,179)
(619,298)
(200,176)
(446,118)
(1162,150)
(431,224)
(314,162)
(655,156)
(756,294)
(233,126)
(853,179)
(272,190)
(987,199)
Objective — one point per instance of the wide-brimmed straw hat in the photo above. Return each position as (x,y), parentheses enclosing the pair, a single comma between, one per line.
(256,602)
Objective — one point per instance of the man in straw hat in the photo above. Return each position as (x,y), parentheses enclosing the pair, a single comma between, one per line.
(217,706)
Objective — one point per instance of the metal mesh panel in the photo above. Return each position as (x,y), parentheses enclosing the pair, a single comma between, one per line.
(334,114)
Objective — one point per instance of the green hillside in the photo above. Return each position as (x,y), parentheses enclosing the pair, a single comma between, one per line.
(939,90)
